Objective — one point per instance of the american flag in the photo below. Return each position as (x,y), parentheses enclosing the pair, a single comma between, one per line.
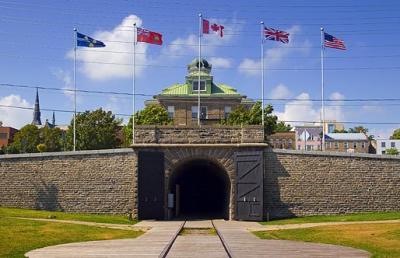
(277,35)
(332,42)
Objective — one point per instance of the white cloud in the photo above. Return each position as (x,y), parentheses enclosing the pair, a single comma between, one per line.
(280,92)
(274,56)
(250,66)
(116,40)
(303,109)
(219,62)
(12,116)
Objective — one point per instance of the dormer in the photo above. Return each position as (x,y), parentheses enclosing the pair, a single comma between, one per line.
(192,79)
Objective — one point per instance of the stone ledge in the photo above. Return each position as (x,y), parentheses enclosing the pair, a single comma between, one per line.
(205,145)
(138,127)
(66,153)
(334,154)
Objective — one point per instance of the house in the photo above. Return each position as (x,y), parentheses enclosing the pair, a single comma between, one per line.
(283,140)
(308,137)
(216,100)
(347,142)
(6,135)
(383,144)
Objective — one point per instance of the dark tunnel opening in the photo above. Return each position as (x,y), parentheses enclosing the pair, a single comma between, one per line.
(201,190)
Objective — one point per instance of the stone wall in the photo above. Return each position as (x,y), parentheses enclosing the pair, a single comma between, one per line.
(204,134)
(85,181)
(310,183)
(296,183)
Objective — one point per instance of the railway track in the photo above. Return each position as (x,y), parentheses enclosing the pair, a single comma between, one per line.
(197,238)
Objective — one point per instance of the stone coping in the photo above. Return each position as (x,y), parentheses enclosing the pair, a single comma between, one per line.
(66,153)
(202,145)
(197,127)
(334,154)
(197,145)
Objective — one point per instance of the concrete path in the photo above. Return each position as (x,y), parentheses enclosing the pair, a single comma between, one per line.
(257,227)
(93,224)
(242,243)
(151,244)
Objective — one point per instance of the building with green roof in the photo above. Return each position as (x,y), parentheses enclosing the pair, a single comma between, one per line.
(216,100)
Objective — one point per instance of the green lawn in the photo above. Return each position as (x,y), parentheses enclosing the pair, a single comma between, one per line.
(337,218)
(382,240)
(114,219)
(20,236)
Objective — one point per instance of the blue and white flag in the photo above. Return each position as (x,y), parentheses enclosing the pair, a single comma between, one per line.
(86,41)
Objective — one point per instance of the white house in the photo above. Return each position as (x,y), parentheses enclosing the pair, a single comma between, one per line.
(383,144)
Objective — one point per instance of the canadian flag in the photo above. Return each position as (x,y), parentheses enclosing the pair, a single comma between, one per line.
(219,29)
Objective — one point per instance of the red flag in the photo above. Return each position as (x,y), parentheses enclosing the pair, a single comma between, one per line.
(214,27)
(150,37)
(206,26)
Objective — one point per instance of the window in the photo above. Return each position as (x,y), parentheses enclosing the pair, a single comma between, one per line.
(289,144)
(171,111)
(203,113)
(298,147)
(392,144)
(227,111)
(383,144)
(363,145)
(195,85)
(346,145)
(194,111)
(3,135)
(354,145)
(336,145)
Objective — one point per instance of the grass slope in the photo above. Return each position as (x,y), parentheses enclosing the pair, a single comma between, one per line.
(382,240)
(372,216)
(20,236)
(114,219)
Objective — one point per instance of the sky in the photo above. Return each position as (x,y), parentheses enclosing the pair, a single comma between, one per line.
(38,39)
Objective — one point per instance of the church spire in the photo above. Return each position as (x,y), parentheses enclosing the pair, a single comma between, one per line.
(53,121)
(36,112)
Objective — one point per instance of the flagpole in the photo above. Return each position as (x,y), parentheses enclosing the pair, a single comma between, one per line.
(322,90)
(199,76)
(75,46)
(133,81)
(262,72)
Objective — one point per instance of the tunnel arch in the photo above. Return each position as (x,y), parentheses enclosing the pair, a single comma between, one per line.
(201,189)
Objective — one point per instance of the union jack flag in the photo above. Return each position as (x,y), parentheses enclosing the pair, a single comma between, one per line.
(332,42)
(277,35)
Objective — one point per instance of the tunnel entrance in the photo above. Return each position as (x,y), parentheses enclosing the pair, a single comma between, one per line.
(201,190)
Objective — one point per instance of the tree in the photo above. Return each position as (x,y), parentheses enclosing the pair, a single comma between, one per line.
(41,147)
(25,140)
(340,131)
(242,116)
(94,130)
(239,116)
(392,151)
(358,129)
(396,135)
(282,127)
(151,115)
(51,138)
